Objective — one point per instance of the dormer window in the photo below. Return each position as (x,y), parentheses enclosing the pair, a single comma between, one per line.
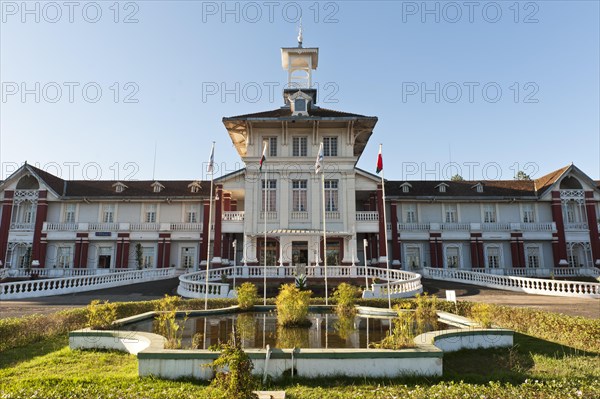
(119,187)
(406,187)
(299,103)
(442,187)
(157,187)
(478,187)
(194,187)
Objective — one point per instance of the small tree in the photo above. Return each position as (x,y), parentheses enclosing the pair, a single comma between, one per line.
(522,176)
(345,296)
(456,177)
(292,306)
(101,315)
(247,296)
(139,256)
(233,370)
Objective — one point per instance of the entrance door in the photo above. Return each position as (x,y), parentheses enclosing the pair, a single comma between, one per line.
(188,257)
(300,256)
(104,256)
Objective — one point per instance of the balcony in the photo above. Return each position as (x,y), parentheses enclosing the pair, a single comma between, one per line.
(367,216)
(413,226)
(186,226)
(235,216)
(22,226)
(268,215)
(299,216)
(332,215)
(576,226)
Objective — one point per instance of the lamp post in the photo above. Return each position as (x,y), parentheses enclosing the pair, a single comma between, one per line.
(234,245)
(365,245)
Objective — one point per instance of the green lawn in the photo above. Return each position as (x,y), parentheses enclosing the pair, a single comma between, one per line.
(533,368)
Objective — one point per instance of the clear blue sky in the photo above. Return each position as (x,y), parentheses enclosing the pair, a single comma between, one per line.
(375,59)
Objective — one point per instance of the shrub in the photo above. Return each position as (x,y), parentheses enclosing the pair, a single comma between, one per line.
(482,314)
(233,370)
(402,336)
(166,321)
(345,296)
(292,306)
(426,311)
(247,295)
(101,315)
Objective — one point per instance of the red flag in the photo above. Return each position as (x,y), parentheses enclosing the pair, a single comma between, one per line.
(263,158)
(379,161)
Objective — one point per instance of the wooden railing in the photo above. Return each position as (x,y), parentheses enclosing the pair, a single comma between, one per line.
(515,283)
(367,216)
(70,285)
(233,216)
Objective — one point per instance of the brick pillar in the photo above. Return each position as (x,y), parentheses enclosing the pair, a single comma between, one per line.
(436,250)
(5,224)
(123,250)
(43,246)
(40,218)
(226,247)
(227,202)
(234,205)
(592,220)
(557,217)
(205,232)
(476,261)
(480,252)
(77,254)
(514,252)
(383,256)
(373,246)
(395,239)
(84,250)
(517,250)
(218,222)
(167,250)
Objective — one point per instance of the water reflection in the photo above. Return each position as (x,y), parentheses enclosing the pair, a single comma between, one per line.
(257,330)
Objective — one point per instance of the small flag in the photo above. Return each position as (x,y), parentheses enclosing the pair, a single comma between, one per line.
(263,158)
(379,161)
(211,160)
(319,162)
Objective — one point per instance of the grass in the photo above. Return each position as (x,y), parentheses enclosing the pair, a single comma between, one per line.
(536,367)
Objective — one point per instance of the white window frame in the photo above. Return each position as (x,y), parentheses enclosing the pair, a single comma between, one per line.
(148,256)
(483,213)
(146,212)
(487,249)
(405,212)
(299,193)
(332,195)
(533,212)
(271,192)
(407,263)
(460,258)
(193,256)
(191,213)
(59,255)
(331,146)
(104,212)
(272,149)
(529,247)
(446,208)
(299,143)
(65,213)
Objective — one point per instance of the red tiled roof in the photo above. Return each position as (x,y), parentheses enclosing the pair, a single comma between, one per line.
(286,112)
(464,188)
(542,183)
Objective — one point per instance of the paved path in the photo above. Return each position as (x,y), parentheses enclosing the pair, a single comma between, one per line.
(156,289)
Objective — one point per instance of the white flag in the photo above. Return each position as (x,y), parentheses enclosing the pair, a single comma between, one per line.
(319,163)
(211,160)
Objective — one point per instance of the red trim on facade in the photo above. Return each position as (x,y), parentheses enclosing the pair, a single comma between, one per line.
(164,250)
(592,220)
(123,250)
(205,232)
(40,218)
(395,238)
(475,258)
(557,217)
(382,226)
(436,253)
(5,223)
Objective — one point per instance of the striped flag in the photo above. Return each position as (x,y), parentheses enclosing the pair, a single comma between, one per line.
(263,158)
(211,160)
(379,161)
(319,162)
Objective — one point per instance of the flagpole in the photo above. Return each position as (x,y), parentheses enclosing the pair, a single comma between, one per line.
(324,237)
(212,175)
(266,203)
(387,261)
